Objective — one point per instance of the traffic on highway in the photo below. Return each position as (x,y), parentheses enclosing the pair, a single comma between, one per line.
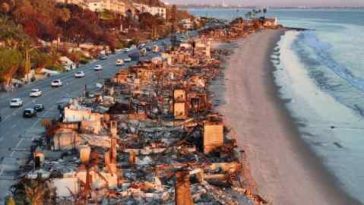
(22,110)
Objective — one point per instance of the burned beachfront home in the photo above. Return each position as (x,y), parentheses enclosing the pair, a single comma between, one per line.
(149,137)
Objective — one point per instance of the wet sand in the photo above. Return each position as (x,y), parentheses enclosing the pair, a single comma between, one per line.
(285,170)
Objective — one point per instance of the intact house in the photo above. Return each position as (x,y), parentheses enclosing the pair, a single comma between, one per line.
(102,5)
(67,63)
(153,10)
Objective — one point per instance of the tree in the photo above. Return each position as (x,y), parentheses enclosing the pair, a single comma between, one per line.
(64,15)
(10,60)
(40,59)
(5,8)
(10,33)
(10,201)
(33,191)
(249,15)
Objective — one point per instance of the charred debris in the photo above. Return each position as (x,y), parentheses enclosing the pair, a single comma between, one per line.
(148,136)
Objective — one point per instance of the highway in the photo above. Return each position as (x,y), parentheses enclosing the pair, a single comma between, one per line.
(17,133)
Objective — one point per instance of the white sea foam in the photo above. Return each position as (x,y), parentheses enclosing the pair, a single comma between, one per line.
(332,129)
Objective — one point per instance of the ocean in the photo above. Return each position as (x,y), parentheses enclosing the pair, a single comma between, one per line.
(320,73)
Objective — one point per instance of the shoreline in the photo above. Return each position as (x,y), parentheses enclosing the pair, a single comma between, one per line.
(285,170)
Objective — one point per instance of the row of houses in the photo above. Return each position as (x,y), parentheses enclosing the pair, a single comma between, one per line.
(117,6)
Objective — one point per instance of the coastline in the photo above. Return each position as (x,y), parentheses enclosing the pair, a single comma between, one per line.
(285,170)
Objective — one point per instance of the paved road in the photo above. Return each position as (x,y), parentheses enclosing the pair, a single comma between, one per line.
(17,133)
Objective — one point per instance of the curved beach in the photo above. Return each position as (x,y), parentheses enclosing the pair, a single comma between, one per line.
(283,167)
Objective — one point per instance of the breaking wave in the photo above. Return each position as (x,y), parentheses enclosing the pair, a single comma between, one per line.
(329,74)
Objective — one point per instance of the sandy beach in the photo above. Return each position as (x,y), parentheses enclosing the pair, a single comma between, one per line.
(283,167)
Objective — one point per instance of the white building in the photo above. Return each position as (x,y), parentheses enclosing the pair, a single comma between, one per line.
(270,22)
(115,6)
(154,10)
(67,63)
(187,23)
(77,2)
(99,5)
(95,5)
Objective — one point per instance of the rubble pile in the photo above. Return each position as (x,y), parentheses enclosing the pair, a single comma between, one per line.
(239,28)
(149,136)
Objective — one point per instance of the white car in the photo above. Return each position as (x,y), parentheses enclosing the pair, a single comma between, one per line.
(97,67)
(79,74)
(35,93)
(56,83)
(155,49)
(126,50)
(119,62)
(127,59)
(16,102)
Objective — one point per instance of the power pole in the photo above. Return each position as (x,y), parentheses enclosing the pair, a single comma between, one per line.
(173,21)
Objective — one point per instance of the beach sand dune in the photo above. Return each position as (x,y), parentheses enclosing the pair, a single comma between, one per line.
(285,170)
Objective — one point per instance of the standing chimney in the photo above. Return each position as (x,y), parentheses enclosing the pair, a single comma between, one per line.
(183,189)
(85,152)
(113,128)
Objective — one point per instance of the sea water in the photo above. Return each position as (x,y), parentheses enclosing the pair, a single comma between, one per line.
(321,74)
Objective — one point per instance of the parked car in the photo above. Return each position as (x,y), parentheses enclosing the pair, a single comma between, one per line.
(56,83)
(99,85)
(98,67)
(39,107)
(127,59)
(103,57)
(29,113)
(143,51)
(156,49)
(16,102)
(119,62)
(35,93)
(134,56)
(126,50)
(141,46)
(79,74)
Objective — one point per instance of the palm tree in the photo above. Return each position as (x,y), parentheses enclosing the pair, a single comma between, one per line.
(10,201)
(249,15)
(264,11)
(9,64)
(35,191)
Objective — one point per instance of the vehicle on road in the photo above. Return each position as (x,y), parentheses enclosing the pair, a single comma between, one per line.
(79,74)
(29,113)
(141,46)
(16,102)
(98,67)
(127,59)
(35,92)
(143,51)
(119,62)
(103,57)
(1,118)
(155,49)
(99,85)
(39,107)
(56,83)
(126,50)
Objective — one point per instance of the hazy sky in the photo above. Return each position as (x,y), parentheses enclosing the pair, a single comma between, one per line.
(275,2)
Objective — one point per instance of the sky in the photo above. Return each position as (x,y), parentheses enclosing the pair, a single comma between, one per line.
(266,3)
